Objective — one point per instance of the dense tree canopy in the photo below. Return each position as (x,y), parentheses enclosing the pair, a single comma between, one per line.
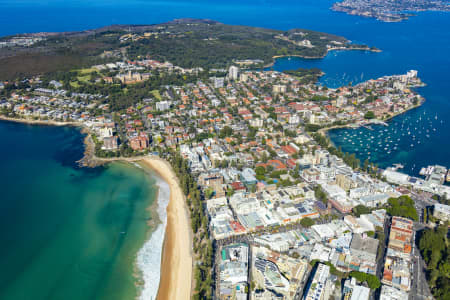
(402,206)
(361,210)
(369,115)
(372,281)
(307,222)
(434,246)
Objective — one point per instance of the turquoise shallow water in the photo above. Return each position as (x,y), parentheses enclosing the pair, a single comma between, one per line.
(66,232)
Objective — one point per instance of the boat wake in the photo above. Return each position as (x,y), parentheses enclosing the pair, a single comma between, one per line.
(149,256)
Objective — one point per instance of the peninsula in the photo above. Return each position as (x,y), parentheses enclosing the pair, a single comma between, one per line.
(187,43)
(389,10)
(261,204)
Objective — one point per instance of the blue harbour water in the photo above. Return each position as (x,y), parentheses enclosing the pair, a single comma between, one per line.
(62,225)
(421,43)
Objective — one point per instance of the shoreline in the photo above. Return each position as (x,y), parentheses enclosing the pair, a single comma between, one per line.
(41,122)
(172,226)
(324,131)
(274,58)
(173,234)
(175,253)
(152,224)
(149,255)
(177,258)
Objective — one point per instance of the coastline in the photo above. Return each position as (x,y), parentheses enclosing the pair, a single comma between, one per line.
(324,131)
(171,237)
(148,258)
(406,110)
(274,58)
(175,254)
(172,230)
(41,122)
(177,258)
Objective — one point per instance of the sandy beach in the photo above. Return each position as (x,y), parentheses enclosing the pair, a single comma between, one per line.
(176,264)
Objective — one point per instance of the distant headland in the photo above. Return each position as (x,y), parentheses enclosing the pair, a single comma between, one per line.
(388,10)
(210,45)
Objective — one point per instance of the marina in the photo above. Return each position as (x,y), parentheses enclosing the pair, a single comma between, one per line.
(390,143)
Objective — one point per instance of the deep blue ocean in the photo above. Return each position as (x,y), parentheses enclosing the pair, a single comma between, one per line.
(421,43)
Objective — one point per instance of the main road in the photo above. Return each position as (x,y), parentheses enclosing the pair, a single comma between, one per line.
(419,284)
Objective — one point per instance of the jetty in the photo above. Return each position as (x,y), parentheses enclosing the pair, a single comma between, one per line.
(367,127)
(397,166)
(377,122)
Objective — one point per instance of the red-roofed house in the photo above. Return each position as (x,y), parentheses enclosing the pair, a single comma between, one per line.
(288,150)
(277,164)
(291,163)
(237,186)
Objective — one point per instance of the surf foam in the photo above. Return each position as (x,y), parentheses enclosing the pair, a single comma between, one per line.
(149,256)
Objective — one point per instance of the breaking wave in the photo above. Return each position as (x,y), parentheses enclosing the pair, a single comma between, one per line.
(149,256)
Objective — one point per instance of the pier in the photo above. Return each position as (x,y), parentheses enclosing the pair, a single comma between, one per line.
(378,122)
(367,127)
